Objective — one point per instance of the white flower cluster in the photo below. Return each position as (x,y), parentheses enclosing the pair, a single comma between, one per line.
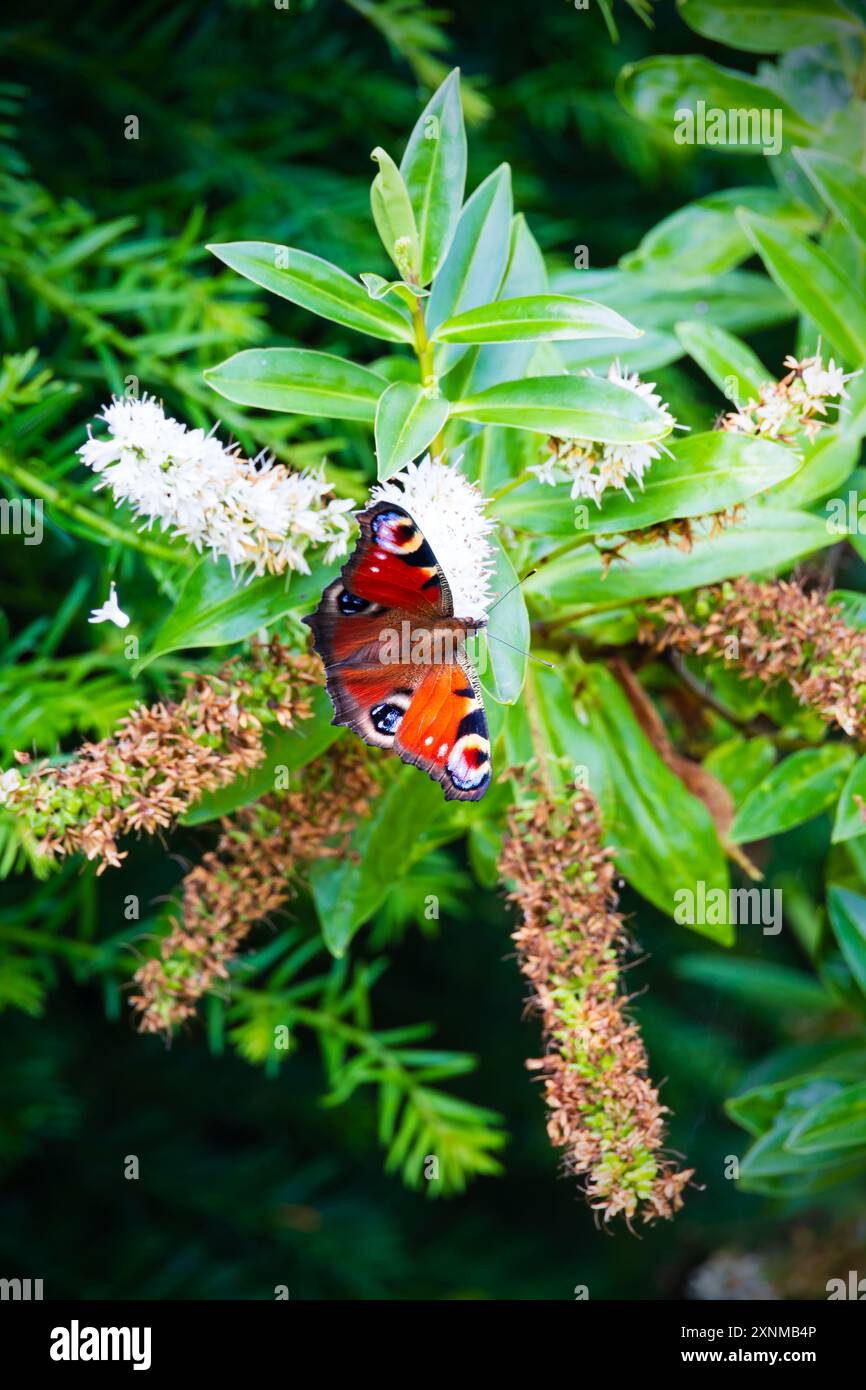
(795,403)
(449,510)
(591,467)
(256,512)
(10,781)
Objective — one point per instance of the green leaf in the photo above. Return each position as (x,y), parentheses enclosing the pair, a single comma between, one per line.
(769,26)
(525,274)
(769,539)
(730,364)
(757,983)
(315,285)
(814,283)
(849,821)
(741,763)
(548,317)
(434,170)
(299,382)
(658,90)
(399,831)
(377,287)
(508,635)
(578,407)
(215,608)
(758,1107)
(284,748)
(407,420)
(839,1122)
(826,465)
(705,238)
(841,185)
(848,919)
(472,271)
(664,837)
(555,731)
(393,215)
(797,790)
(743,301)
(704,473)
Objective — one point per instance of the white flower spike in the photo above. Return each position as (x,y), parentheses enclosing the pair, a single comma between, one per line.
(255,512)
(110,612)
(449,510)
(591,467)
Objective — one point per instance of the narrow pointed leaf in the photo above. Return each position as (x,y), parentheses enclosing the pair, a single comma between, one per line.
(818,287)
(540,317)
(571,407)
(407,421)
(299,382)
(434,170)
(316,285)
(393,215)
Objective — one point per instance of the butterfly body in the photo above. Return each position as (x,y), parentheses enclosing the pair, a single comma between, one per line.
(395,656)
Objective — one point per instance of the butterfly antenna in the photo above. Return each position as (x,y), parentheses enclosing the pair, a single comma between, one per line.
(492,638)
(528,575)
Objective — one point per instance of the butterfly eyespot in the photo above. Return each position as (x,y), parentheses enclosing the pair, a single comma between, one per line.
(469,763)
(349,603)
(386,718)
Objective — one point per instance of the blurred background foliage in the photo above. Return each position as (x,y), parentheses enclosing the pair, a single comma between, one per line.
(257,122)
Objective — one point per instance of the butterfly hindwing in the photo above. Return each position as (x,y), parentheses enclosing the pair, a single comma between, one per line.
(444,731)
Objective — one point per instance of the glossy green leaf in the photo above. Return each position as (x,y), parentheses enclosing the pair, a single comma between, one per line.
(551,729)
(664,837)
(569,407)
(315,285)
(740,763)
(407,421)
(770,539)
(757,983)
(839,1122)
(814,283)
(550,317)
(705,238)
(434,170)
(848,920)
(657,90)
(299,382)
(758,1107)
(473,269)
(378,287)
(404,824)
(703,473)
(841,185)
(730,364)
(849,818)
(508,637)
(215,608)
(769,26)
(743,301)
(393,215)
(826,464)
(525,274)
(797,790)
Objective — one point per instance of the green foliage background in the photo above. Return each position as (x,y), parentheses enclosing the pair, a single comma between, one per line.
(258,123)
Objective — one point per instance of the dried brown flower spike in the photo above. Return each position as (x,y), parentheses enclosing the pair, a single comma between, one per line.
(604,1111)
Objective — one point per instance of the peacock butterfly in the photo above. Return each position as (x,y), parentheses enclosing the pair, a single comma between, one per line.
(394,654)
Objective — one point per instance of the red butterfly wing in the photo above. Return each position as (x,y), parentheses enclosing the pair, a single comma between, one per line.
(394,567)
(444,731)
(430,715)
